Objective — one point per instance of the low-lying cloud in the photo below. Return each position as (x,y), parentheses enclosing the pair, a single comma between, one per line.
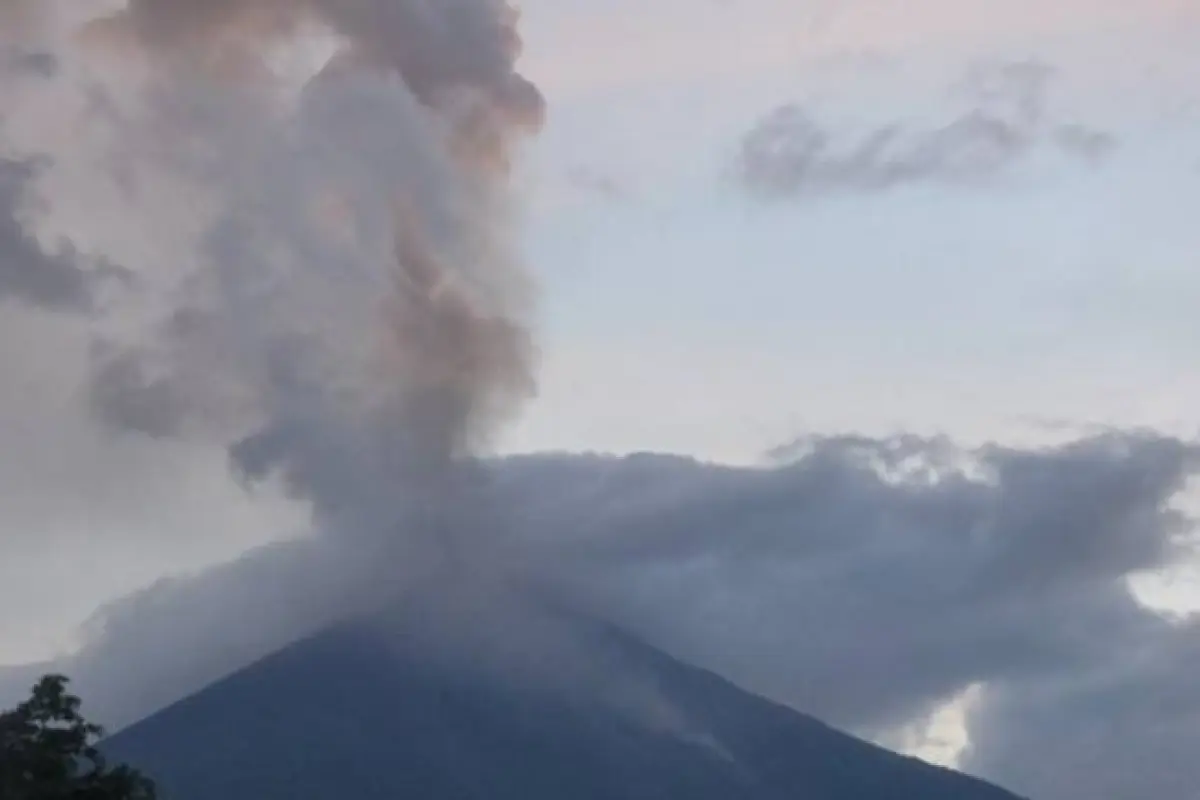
(865,581)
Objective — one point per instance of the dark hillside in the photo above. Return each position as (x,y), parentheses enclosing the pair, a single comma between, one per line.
(347,715)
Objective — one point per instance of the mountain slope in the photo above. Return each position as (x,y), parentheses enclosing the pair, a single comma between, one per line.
(353,714)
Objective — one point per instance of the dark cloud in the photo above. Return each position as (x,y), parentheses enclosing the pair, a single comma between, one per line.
(790,152)
(37,63)
(123,395)
(59,280)
(864,580)
(955,578)
(1086,142)
(1124,726)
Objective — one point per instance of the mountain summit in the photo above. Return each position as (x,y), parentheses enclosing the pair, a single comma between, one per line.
(575,708)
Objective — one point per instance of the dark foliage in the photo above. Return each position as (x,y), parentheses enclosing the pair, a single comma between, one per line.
(48,752)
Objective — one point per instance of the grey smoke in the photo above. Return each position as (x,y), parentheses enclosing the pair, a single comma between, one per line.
(328,285)
(125,397)
(358,321)
(37,63)
(790,152)
(1088,143)
(342,309)
(58,279)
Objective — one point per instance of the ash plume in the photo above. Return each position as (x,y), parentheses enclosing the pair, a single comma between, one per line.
(313,195)
(19,16)
(29,274)
(315,198)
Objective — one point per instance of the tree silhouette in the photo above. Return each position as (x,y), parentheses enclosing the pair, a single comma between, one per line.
(48,752)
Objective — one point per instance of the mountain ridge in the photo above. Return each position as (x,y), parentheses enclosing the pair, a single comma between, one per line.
(368,710)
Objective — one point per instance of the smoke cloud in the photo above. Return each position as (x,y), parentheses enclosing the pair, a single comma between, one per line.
(53,280)
(19,16)
(378,193)
(313,195)
(310,202)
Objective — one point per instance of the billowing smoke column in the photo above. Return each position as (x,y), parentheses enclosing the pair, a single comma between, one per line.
(286,227)
(311,198)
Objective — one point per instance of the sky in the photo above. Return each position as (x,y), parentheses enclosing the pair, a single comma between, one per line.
(752,223)
(1053,290)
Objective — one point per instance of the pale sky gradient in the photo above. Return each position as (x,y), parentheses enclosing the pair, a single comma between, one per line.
(1059,293)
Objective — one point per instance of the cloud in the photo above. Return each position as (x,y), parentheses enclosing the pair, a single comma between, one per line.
(19,16)
(1125,726)
(329,282)
(123,396)
(37,63)
(863,580)
(358,304)
(60,280)
(956,578)
(790,153)
(86,515)
(1089,143)
(596,183)
(330,295)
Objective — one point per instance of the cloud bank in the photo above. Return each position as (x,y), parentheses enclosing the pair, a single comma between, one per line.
(865,581)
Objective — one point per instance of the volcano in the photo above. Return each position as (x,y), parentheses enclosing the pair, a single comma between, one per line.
(370,710)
